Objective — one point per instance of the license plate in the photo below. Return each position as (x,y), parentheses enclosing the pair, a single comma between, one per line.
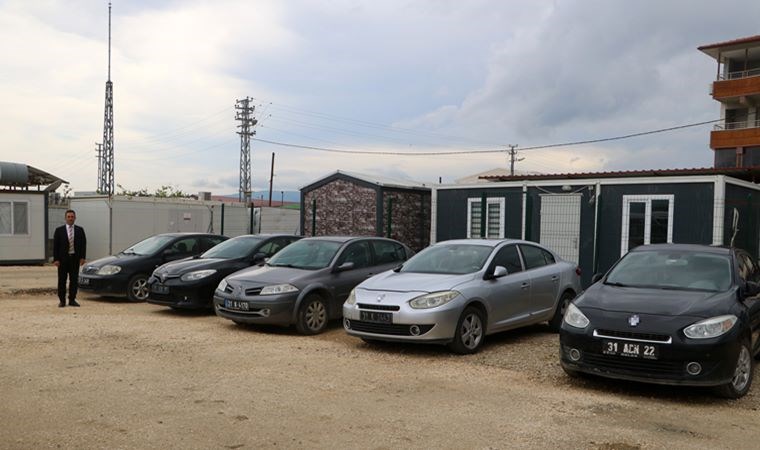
(159,289)
(84,281)
(236,304)
(630,349)
(376,317)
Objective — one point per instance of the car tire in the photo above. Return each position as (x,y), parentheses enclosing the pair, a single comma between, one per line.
(470,332)
(742,380)
(556,321)
(312,315)
(137,288)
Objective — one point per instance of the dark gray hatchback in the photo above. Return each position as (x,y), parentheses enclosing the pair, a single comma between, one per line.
(307,282)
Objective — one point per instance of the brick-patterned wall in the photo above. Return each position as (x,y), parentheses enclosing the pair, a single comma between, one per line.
(410,218)
(343,208)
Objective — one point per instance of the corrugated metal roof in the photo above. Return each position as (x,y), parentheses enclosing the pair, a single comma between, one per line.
(731,43)
(744,173)
(22,175)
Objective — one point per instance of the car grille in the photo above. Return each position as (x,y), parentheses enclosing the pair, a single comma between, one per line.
(253,291)
(631,335)
(378,307)
(646,366)
(90,270)
(388,329)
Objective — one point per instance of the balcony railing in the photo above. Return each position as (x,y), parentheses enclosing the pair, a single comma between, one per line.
(737,125)
(740,74)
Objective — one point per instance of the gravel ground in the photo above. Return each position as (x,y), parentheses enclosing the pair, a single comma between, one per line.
(114,374)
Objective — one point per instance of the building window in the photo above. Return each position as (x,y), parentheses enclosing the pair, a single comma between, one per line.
(494,218)
(647,219)
(14,218)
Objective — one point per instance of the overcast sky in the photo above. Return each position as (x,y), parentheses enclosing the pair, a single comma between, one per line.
(401,76)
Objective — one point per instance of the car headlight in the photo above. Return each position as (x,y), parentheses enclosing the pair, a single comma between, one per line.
(197,275)
(109,269)
(575,318)
(222,285)
(278,289)
(433,300)
(351,300)
(710,328)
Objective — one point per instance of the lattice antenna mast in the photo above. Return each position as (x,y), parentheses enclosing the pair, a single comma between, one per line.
(106,178)
(244,114)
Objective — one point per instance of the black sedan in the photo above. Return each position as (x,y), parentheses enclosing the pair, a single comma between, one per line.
(669,314)
(190,283)
(127,272)
(307,282)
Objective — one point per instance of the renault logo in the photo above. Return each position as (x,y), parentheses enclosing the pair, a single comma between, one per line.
(634,320)
(380,298)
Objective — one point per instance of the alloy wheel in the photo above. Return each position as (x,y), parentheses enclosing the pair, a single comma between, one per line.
(742,372)
(316,315)
(140,289)
(472,331)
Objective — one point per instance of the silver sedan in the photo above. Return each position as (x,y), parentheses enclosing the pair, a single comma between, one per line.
(457,292)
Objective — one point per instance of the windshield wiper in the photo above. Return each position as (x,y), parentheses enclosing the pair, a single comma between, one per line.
(615,283)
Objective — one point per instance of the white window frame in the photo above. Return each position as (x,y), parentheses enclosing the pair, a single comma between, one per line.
(13,219)
(647,200)
(489,201)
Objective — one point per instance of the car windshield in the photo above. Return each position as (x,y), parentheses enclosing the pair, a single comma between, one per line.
(669,269)
(148,246)
(238,247)
(449,259)
(306,254)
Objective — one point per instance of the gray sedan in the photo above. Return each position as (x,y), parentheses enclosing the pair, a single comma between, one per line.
(306,282)
(456,292)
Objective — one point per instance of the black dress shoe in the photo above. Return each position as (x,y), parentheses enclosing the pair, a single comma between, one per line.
(73,303)
(61,304)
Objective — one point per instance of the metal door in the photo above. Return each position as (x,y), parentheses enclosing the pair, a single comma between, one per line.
(561,224)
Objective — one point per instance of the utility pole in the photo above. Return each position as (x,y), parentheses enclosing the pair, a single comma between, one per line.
(244,114)
(99,152)
(106,178)
(271,178)
(512,159)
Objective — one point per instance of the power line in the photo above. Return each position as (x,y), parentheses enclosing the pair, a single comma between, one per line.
(471,152)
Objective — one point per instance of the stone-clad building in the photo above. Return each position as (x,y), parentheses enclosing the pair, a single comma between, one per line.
(352,204)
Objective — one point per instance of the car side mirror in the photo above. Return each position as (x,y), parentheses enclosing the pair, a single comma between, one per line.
(498,272)
(596,277)
(259,258)
(344,267)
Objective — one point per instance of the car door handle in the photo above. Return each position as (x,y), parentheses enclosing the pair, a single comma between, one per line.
(525,286)
(555,278)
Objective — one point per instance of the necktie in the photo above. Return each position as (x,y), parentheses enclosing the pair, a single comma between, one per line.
(71,240)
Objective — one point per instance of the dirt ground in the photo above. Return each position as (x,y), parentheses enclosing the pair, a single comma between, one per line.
(114,374)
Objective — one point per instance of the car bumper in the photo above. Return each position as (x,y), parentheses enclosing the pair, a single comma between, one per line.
(274,309)
(179,294)
(99,284)
(436,325)
(716,359)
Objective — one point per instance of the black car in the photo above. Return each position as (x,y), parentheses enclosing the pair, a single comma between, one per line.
(670,314)
(190,283)
(127,272)
(307,282)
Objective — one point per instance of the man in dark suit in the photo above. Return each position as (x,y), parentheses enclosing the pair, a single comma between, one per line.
(69,252)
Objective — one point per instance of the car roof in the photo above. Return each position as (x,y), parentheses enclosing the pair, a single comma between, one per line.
(343,239)
(485,242)
(188,233)
(685,247)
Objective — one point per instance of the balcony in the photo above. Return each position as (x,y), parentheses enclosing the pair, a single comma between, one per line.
(735,134)
(741,87)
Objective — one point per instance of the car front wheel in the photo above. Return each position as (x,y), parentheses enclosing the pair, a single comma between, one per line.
(742,379)
(312,315)
(137,288)
(559,313)
(469,333)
